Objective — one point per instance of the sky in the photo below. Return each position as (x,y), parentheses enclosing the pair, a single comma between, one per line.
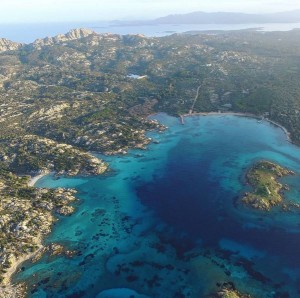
(32,11)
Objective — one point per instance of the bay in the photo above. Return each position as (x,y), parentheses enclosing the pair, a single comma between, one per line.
(166,223)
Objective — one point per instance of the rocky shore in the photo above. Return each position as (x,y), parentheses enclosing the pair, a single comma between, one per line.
(228,290)
(267,190)
(27,217)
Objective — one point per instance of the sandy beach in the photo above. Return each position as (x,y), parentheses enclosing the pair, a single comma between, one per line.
(35,179)
(288,135)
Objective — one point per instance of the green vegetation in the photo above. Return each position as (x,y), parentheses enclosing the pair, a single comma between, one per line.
(263,177)
(78,92)
(26,216)
(32,154)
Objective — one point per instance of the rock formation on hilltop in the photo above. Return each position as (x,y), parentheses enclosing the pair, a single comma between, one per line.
(78,33)
(8,45)
(71,35)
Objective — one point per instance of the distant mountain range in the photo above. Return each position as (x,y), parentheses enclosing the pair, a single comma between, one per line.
(200,17)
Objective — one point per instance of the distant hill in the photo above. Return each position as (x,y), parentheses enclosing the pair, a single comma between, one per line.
(200,17)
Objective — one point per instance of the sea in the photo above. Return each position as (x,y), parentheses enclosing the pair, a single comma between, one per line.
(27,33)
(167,221)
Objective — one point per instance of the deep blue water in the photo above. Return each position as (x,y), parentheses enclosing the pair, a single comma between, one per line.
(167,223)
(27,33)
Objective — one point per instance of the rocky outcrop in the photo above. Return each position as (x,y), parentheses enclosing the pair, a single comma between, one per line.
(8,45)
(132,39)
(60,38)
(74,34)
(267,190)
(78,33)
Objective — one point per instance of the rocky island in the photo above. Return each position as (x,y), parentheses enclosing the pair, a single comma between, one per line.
(267,190)
(228,290)
(227,293)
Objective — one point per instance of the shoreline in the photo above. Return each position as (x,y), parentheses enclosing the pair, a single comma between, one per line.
(286,132)
(23,258)
(10,289)
(7,281)
(33,180)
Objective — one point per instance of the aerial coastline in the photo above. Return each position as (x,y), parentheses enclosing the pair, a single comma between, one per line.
(226,291)
(286,132)
(61,99)
(37,218)
(10,288)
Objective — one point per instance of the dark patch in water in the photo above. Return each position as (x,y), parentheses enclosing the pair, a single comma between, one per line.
(86,259)
(248,266)
(78,294)
(132,278)
(181,246)
(98,212)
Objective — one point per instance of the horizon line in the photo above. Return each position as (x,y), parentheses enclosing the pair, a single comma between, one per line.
(126,19)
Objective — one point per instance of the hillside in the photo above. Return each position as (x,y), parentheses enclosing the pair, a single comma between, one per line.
(76,89)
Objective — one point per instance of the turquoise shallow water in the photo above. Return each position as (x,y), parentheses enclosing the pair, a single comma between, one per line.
(166,222)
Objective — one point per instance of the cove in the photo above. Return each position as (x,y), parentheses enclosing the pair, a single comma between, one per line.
(166,221)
